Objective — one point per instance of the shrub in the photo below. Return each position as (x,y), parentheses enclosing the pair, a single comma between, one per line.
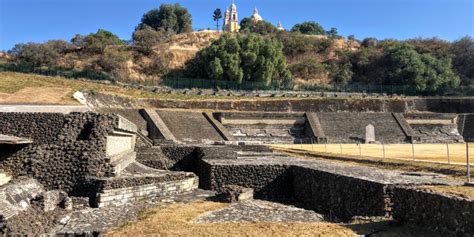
(241,58)
(309,28)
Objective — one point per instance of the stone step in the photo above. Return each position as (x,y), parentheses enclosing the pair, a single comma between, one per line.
(122,161)
(139,182)
(4,178)
(6,211)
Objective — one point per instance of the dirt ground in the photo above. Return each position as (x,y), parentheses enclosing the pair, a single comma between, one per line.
(176,220)
(35,95)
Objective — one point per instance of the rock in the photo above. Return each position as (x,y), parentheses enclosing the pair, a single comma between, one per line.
(234,193)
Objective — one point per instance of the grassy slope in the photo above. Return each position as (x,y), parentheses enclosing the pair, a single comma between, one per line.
(11,82)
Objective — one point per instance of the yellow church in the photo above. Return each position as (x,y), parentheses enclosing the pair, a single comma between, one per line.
(231,19)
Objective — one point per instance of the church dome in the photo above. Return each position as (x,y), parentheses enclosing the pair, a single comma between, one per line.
(256,16)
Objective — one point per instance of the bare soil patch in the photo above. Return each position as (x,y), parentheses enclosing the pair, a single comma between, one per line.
(39,95)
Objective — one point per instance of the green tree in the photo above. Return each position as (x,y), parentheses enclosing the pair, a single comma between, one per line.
(309,28)
(248,25)
(462,51)
(215,69)
(217,16)
(169,17)
(340,68)
(405,66)
(245,57)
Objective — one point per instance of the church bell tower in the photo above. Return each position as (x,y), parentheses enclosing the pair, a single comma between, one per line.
(231,19)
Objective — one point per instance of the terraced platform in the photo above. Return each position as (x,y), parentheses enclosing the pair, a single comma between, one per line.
(350,127)
(138,182)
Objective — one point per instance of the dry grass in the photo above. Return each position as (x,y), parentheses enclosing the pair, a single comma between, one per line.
(455,172)
(11,82)
(423,152)
(463,191)
(35,95)
(176,220)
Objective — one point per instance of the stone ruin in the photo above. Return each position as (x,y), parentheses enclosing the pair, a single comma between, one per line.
(97,161)
(369,134)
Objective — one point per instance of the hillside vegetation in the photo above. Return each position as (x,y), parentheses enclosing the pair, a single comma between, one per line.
(306,57)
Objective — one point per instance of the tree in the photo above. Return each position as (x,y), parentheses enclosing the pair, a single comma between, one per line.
(248,25)
(169,17)
(39,55)
(215,69)
(340,68)
(309,28)
(369,42)
(437,47)
(146,37)
(217,16)
(332,33)
(462,51)
(97,42)
(405,66)
(245,57)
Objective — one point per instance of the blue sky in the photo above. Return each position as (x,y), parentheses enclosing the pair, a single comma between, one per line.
(40,20)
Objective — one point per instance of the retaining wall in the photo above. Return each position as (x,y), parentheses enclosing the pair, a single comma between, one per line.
(268,181)
(340,196)
(321,104)
(451,215)
(176,158)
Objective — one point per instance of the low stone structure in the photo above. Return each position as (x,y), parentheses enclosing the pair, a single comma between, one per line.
(448,214)
(339,190)
(234,193)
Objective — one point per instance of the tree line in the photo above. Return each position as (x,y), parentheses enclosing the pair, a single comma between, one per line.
(261,52)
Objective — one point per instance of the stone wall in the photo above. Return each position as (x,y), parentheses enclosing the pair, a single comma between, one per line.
(66,148)
(176,158)
(339,196)
(449,214)
(268,181)
(313,104)
(137,192)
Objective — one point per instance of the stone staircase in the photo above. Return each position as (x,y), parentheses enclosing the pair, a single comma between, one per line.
(4,178)
(437,128)
(122,161)
(189,127)
(347,127)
